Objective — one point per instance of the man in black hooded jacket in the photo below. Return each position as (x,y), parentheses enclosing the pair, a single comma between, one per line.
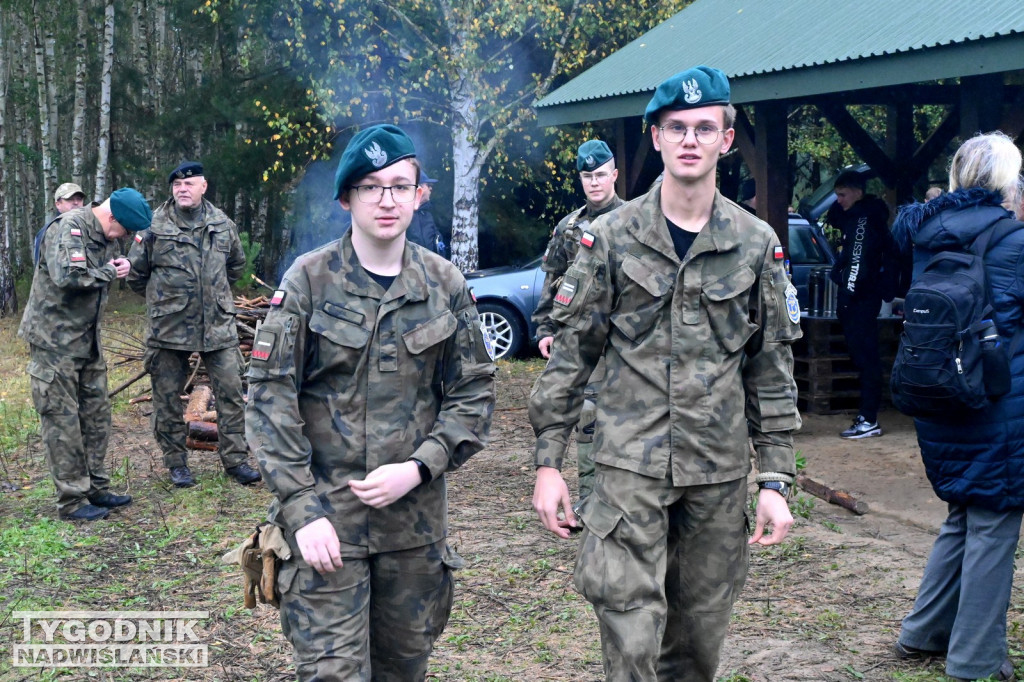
(863,281)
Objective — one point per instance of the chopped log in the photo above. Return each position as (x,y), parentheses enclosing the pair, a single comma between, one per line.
(198,403)
(198,430)
(148,398)
(839,497)
(210,416)
(200,444)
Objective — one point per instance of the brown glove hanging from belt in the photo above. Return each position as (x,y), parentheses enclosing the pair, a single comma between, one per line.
(260,555)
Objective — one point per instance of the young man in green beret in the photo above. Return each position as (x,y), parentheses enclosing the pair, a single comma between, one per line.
(369,380)
(78,259)
(185,265)
(596,166)
(684,296)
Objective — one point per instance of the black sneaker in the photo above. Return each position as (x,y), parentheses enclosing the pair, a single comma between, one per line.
(110,500)
(182,477)
(1004,674)
(909,653)
(862,428)
(244,474)
(86,512)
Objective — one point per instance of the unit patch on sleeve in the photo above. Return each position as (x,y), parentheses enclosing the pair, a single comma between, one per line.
(567,290)
(77,257)
(278,297)
(263,346)
(792,304)
(587,240)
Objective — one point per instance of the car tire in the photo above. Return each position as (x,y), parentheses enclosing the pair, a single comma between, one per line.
(504,327)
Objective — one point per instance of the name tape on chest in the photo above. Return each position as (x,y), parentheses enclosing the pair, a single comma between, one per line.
(278,297)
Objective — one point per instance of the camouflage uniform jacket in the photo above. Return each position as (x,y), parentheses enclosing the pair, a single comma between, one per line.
(188,285)
(561,251)
(69,287)
(697,352)
(345,378)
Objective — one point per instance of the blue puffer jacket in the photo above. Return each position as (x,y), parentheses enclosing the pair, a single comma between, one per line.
(978,457)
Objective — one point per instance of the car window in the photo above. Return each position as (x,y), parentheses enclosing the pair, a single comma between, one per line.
(804,247)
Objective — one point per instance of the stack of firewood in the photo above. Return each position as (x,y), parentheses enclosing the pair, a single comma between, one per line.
(199,406)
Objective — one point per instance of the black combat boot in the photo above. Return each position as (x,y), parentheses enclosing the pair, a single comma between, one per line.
(86,512)
(244,474)
(109,499)
(182,477)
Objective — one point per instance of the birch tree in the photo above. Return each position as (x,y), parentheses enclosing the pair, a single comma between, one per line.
(103,159)
(8,295)
(45,134)
(78,125)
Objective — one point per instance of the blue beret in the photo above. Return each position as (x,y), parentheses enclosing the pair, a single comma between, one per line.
(370,150)
(426,179)
(130,209)
(700,86)
(591,154)
(187,169)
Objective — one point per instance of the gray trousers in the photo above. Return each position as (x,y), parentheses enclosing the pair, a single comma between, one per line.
(965,592)
(70,395)
(373,619)
(662,567)
(168,373)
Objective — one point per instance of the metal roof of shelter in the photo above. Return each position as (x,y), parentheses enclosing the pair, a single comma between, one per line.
(782,49)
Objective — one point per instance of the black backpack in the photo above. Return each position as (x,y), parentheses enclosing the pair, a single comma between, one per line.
(950,356)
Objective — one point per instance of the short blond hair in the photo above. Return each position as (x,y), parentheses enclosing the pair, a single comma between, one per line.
(989,160)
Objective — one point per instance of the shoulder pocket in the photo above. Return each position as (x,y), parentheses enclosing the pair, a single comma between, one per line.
(430,333)
(272,349)
(569,302)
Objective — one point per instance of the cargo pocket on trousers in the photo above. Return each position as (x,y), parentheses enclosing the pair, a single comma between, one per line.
(605,569)
(42,382)
(446,593)
(293,616)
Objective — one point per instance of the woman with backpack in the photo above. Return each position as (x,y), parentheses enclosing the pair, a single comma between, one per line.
(974,458)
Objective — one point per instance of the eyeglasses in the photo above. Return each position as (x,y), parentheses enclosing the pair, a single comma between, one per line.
(372,194)
(595,177)
(705,134)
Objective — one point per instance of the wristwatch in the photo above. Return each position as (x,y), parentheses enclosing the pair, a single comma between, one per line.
(424,470)
(781,487)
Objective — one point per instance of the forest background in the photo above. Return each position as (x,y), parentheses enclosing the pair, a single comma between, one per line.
(264,94)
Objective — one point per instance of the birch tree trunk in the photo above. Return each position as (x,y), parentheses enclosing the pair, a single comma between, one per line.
(103,160)
(44,108)
(53,141)
(78,125)
(8,294)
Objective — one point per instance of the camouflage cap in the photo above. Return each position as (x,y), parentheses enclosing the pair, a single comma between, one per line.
(186,169)
(130,209)
(370,150)
(591,154)
(700,86)
(67,190)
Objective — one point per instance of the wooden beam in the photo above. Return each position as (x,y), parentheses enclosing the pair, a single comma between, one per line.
(771,130)
(621,162)
(862,143)
(981,104)
(935,144)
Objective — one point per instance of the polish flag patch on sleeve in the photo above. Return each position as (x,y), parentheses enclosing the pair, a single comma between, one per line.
(75,232)
(779,253)
(587,240)
(138,238)
(278,297)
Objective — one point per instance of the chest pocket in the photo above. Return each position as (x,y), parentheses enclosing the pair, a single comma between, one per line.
(644,297)
(341,339)
(429,334)
(728,304)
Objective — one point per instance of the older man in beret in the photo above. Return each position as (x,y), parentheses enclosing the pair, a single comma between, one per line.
(185,265)
(596,166)
(685,297)
(369,379)
(79,257)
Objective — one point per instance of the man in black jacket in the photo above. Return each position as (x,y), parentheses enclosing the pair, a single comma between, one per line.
(423,230)
(861,276)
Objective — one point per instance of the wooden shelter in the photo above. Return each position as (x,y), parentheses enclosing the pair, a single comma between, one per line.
(780,54)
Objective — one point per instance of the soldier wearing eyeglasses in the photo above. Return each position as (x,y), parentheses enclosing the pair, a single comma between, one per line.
(184,265)
(369,379)
(596,166)
(685,298)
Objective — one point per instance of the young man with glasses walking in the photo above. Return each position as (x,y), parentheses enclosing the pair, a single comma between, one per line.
(685,297)
(596,165)
(369,379)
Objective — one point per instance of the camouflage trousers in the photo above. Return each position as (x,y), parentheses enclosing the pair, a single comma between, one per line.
(373,619)
(168,373)
(70,395)
(662,567)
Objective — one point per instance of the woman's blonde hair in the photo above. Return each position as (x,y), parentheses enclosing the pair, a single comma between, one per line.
(991,161)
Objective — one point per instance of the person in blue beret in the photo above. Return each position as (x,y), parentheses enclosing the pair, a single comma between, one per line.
(370,379)
(683,296)
(77,258)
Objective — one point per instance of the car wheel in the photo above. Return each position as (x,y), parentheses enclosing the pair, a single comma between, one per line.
(504,328)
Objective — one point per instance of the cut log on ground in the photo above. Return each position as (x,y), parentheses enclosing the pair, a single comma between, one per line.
(198,430)
(194,444)
(198,403)
(839,497)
